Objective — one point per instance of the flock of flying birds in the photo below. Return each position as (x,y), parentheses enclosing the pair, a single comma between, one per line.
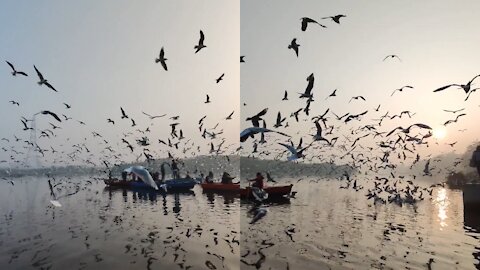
(137,143)
(347,139)
(399,143)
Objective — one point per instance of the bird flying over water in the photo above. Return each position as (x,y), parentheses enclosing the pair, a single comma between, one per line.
(466,87)
(43,80)
(220,78)
(285,95)
(200,43)
(124,115)
(455,120)
(306,21)
(51,114)
(250,132)
(335,18)
(401,89)
(293,45)
(161,58)
(308,90)
(256,118)
(407,130)
(392,56)
(14,71)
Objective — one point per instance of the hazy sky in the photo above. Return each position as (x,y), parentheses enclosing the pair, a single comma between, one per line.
(435,40)
(99,55)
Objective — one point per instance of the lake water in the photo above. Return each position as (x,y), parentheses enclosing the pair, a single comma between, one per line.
(100,228)
(323,227)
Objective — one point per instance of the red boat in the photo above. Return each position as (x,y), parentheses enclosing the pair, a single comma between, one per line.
(273,191)
(219,187)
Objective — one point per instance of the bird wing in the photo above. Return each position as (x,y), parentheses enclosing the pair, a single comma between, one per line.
(390,133)
(202,37)
(444,87)
(11,66)
(421,126)
(38,73)
(164,64)
(262,113)
(50,86)
(289,147)
(53,115)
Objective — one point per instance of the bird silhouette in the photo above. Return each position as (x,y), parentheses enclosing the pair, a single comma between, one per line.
(293,45)
(466,87)
(161,58)
(306,21)
(335,18)
(14,71)
(43,80)
(200,43)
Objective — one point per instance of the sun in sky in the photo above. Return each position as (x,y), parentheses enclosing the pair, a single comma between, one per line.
(439,133)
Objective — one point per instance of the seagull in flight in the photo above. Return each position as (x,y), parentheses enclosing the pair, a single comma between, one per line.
(334,94)
(242,60)
(401,89)
(124,115)
(295,154)
(308,90)
(318,136)
(454,111)
(161,58)
(454,121)
(14,71)
(356,98)
(208,99)
(466,87)
(229,117)
(280,120)
(285,95)
(250,132)
(293,45)
(14,102)
(43,80)
(407,130)
(335,18)
(220,78)
(200,43)
(392,56)
(256,118)
(153,117)
(306,21)
(54,115)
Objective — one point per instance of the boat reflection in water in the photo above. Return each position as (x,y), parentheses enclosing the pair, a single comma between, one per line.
(143,195)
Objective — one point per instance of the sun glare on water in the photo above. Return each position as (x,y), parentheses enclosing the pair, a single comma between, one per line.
(439,133)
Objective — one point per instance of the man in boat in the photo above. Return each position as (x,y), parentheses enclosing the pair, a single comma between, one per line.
(226,178)
(175,170)
(475,161)
(258,181)
(124,176)
(209,178)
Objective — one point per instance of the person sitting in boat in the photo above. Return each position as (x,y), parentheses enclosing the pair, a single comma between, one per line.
(226,178)
(156,176)
(258,181)
(475,161)
(175,170)
(124,176)
(209,178)
(188,176)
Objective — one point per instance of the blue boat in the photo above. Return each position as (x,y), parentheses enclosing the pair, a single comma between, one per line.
(171,184)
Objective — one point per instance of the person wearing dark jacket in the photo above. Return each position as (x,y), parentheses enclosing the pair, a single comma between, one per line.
(258,181)
(475,161)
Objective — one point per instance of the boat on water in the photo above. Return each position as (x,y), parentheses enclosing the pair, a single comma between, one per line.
(219,187)
(246,192)
(171,184)
(272,191)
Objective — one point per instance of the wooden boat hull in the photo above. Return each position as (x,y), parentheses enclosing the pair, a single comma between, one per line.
(273,191)
(172,184)
(219,187)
